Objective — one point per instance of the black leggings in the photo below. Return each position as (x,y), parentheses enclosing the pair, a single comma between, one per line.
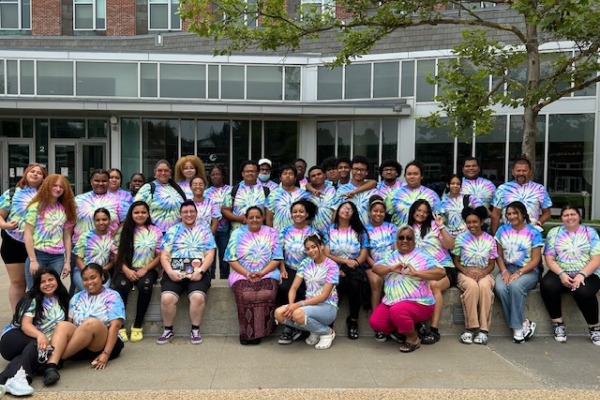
(350,287)
(144,286)
(585,296)
(21,351)
(286,284)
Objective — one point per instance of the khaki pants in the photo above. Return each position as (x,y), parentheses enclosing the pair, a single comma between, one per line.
(477,295)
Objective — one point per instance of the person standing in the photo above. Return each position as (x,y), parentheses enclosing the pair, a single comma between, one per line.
(279,202)
(475,185)
(351,191)
(264,173)
(390,171)
(323,196)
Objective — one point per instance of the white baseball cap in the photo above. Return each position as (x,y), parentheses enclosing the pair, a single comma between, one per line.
(265,161)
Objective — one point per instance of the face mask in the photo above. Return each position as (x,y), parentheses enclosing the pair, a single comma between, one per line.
(264,177)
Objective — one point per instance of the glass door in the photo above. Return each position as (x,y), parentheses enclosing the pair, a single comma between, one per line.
(63,162)
(93,157)
(77,161)
(15,156)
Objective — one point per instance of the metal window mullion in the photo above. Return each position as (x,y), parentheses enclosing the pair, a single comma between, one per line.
(372,88)
(507,148)
(344,90)
(380,142)
(158,79)
(74,79)
(283,83)
(546,149)
(455,155)
(245,82)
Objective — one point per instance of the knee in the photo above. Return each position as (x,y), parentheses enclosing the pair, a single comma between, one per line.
(197,299)
(91,324)
(279,313)
(299,316)
(168,299)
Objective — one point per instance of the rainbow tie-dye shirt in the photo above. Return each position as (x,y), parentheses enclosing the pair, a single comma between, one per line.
(88,203)
(146,245)
(106,306)
(48,227)
(360,200)
(432,244)
(398,202)
(451,209)
(94,248)
(246,196)
(183,242)
(534,196)
(217,195)
(481,188)
(280,203)
(475,251)
(292,240)
(572,250)
(383,190)
(382,239)
(317,275)
(185,186)
(345,242)
(126,200)
(326,206)
(16,207)
(517,245)
(398,287)
(164,204)
(207,210)
(52,314)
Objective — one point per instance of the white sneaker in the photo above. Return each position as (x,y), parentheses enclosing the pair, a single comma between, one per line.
(18,385)
(2,390)
(518,336)
(595,335)
(560,332)
(528,329)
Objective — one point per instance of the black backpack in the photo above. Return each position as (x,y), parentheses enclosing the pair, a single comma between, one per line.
(173,184)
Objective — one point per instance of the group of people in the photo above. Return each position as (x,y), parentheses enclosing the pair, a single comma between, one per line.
(291,249)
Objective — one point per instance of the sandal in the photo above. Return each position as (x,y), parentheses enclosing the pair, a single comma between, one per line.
(352,328)
(51,376)
(137,335)
(430,337)
(123,335)
(325,341)
(312,339)
(408,347)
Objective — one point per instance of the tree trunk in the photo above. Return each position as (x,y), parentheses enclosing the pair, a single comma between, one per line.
(533,80)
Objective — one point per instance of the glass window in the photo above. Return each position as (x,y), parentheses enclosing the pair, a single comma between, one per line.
(10,127)
(97,128)
(41,141)
(571,160)
(281,141)
(27,129)
(390,140)
(516,146)
(325,140)
(517,76)
(292,83)
(385,79)
(162,15)
(590,90)
(256,140)
(183,81)
(1,76)
(358,81)
(55,78)
(251,19)
(89,14)
(160,140)
(408,79)
(232,82)
(10,10)
(107,79)
(130,147)
(344,139)
(425,90)
(329,83)
(213,81)
(67,128)
(366,141)
(212,143)
(240,131)
(490,151)
(149,81)
(27,79)
(188,136)
(265,83)
(434,147)
(12,77)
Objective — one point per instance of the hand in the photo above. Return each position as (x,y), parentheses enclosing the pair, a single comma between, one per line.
(131,275)
(10,225)
(140,273)
(66,269)
(506,276)
(284,273)
(577,281)
(33,267)
(289,310)
(317,193)
(175,276)
(439,220)
(567,281)
(42,342)
(351,263)
(196,276)
(514,277)
(473,273)
(409,270)
(254,277)
(100,361)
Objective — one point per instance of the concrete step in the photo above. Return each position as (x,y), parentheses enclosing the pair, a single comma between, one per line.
(220,318)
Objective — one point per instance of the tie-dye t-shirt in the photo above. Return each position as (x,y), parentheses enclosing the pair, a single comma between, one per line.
(270,184)
(292,240)
(317,275)
(164,204)
(517,245)
(326,206)
(360,200)
(398,287)
(182,242)
(345,242)
(52,314)
(254,250)
(280,202)
(572,250)
(383,190)
(88,203)
(185,186)
(534,196)
(432,244)
(16,209)
(382,239)
(475,251)
(246,196)
(106,306)
(303,183)
(398,202)
(217,195)
(94,248)
(126,199)
(451,209)
(48,227)
(481,188)
(207,210)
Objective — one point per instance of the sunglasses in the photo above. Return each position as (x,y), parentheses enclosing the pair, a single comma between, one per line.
(403,238)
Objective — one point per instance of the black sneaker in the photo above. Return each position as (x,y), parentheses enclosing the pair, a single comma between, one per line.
(289,335)
(380,337)
(397,337)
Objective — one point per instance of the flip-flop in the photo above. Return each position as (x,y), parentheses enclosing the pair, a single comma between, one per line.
(325,341)
(408,347)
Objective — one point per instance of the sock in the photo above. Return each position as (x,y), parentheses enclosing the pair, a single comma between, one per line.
(196,327)
(169,328)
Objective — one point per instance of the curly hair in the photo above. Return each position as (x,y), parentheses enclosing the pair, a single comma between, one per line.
(23,182)
(67,199)
(195,161)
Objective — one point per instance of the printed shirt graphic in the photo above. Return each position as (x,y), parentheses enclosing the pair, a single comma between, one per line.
(292,240)
(280,202)
(105,306)
(451,209)
(254,250)
(475,251)
(164,204)
(88,203)
(534,196)
(398,202)
(48,227)
(246,196)
(217,195)
(383,190)
(326,205)
(182,242)
(572,250)
(345,242)
(360,200)
(398,287)
(517,245)
(432,244)
(207,210)
(94,248)
(16,207)
(382,239)
(481,188)
(317,275)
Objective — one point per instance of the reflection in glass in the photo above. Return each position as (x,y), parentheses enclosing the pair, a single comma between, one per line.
(183,81)
(107,79)
(390,139)
(67,128)
(329,83)
(292,83)
(435,148)
(385,79)
(188,136)
(425,90)
(212,144)
(366,142)
(281,141)
(358,81)
(325,140)
(490,151)
(408,79)
(232,82)
(97,128)
(159,141)
(264,83)
(240,143)
(516,146)
(54,78)
(344,138)
(149,81)
(130,140)
(27,78)
(10,127)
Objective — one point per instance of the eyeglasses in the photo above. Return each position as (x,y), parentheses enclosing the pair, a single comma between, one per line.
(252,171)
(389,170)
(188,212)
(359,170)
(200,185)
(403,238)
(163,171)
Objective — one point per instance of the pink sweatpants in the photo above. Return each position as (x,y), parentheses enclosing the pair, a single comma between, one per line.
(401,316)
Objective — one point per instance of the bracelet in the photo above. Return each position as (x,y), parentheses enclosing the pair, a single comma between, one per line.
(303,303)
(505,271)
(561,273)
(582,274)
(106,352)
(520,272)
(441,228)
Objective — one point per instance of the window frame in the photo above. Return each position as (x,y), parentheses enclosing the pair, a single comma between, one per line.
(170,14)
(95,11)
(20,5)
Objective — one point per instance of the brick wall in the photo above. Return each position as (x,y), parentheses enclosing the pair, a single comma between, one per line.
(120,17)
(45,18)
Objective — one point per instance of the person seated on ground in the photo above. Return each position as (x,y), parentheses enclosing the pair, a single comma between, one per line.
(187,252)
(317,312)
(474,255)
(92,333)
(254,253)
(572,254)
(25,341)
(407,299)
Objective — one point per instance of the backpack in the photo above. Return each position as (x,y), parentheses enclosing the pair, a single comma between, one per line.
(466,199)
(11,193)
(235,188)
(174,185)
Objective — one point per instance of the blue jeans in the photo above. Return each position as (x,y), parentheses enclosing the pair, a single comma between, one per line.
(54,261)
(318,318)
(513,295)
(221,239)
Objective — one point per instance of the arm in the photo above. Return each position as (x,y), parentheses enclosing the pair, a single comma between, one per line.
(237,267)
(227,212)
(447,239)
(79,262)
(501,266)
(546,214)
(209,257)
(33,264)
(30,330)
(9,226)
(553,266)
(269,218)
(368,184)
(142,271)
(113,331)
(67,241)
(214,222)
(165,260)
(432,274)
(340,260)
(495,220)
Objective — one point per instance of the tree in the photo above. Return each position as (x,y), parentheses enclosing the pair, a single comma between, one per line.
(466,96)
